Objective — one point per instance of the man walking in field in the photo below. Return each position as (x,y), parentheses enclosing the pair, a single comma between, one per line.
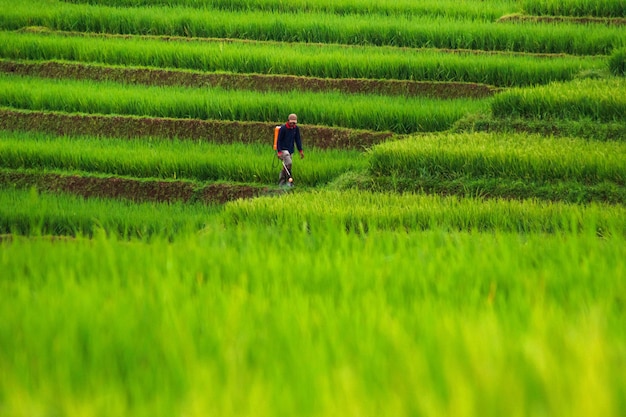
(288,136)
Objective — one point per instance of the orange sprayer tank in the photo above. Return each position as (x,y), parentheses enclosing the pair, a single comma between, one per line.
(276,129)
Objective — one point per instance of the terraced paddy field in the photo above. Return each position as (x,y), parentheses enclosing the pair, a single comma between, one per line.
(454,243)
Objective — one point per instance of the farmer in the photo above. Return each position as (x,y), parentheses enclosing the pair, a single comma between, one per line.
(288,135)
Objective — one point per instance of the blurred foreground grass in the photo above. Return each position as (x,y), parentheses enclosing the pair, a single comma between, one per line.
(265,321)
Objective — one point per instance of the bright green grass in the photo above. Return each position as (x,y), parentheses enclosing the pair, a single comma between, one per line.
(496,155)
(507,165)
(317,60)
(602,100)
(261,321)
(492,9)
(582,8)
(26,212)
(176,159)
(375,29)
(359,111)
(362,211)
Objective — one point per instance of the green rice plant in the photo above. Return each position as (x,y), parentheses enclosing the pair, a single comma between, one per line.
(563,191)
(25,212)
(359,111)
(194,160)
(528,158)
(317,27)
(217,324)
(583,128)
(465,8)
(216,131)
(602,100)
(232,81)
(617,62)
(94,185)
(30,213)
(326,61)
(582,8)
(362,211)
(502,165)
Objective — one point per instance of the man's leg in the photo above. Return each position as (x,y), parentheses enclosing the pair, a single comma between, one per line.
(284,172)
(282,178)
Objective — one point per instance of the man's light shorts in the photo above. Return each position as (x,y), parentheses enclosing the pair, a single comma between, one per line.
(286,157)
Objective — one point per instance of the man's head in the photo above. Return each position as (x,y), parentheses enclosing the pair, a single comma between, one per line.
(292,119)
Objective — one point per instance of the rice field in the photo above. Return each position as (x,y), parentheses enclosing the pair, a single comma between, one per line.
(602,8)
(579,99)
(496,156)
(164,328)
(496,165)
(356,111)
(312,60)
(315,27)
(191,160)
(445,8)
(435,257)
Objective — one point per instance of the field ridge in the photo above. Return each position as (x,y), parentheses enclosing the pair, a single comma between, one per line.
(219,131)
(258,82)
(581,20)
(137,190)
